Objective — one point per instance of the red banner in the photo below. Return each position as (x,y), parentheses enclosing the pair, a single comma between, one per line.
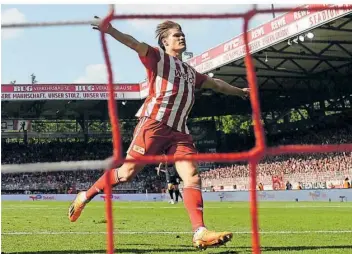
(67,88)
(72,92)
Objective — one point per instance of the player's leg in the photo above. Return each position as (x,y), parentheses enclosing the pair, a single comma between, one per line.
(170,188)
(177,193)
(192,195)
(125,173)
(128,170)
(144,142)
(180,194)
(193,201)
(191,191)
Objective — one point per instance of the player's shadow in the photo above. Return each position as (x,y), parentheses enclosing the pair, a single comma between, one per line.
(189,249)
(302,248)
(121,250)
(295,248)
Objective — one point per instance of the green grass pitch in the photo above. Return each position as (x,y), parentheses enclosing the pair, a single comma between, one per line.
(158,227)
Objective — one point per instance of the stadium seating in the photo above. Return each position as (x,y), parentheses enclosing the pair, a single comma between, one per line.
(294,168)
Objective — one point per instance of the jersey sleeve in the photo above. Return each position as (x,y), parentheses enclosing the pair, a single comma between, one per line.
(151,59)
(200,79)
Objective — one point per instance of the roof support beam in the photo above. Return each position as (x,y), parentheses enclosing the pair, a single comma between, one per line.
(329,41)
(331,66)
(267,69)
(325,49)
(299,66)
(281,63)
(344,49)
(304,55)
(335,29)
(308,49)
(316,66)
(345,23)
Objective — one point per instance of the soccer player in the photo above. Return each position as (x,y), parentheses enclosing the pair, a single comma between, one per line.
(173,180)
(162,122)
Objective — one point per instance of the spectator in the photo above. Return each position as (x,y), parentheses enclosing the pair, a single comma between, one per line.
(288,186)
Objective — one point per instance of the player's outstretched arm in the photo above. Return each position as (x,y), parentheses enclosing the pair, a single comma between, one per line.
(140,47)
(221,86)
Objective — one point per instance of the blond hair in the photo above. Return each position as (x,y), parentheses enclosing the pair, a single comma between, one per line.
(162,29)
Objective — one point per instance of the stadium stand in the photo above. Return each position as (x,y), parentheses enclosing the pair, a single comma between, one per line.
(299,169)
(293,168)
(62,182)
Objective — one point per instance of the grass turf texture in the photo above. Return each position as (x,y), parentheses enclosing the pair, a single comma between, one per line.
(158,227)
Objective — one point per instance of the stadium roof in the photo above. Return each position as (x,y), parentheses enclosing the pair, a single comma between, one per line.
(297,56)
(329,50)
(300,57)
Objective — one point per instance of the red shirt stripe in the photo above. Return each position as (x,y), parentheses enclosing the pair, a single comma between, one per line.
(172,84)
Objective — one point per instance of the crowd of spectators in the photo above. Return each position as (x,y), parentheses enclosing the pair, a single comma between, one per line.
(296,167)
(63,181)
(292,167)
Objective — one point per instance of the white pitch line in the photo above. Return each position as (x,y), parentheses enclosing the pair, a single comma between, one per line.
(99,207)
(24,207)
(317,206)
(170,207)
(92,233)
(37,208)
(173,233)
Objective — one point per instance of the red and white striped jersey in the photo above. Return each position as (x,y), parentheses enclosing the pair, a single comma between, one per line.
(172,84)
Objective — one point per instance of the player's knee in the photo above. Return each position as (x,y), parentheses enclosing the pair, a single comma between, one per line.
(125,176)
(192,180)
(188,173)
(127,172)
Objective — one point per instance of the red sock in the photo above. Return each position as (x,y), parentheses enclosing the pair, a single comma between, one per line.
(193,200)
(100,185)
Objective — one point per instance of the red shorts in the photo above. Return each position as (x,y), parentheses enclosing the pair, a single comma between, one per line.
(152,137)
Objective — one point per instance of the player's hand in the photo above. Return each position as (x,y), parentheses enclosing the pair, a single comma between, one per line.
(158,170)
(98,25)
(245,93)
